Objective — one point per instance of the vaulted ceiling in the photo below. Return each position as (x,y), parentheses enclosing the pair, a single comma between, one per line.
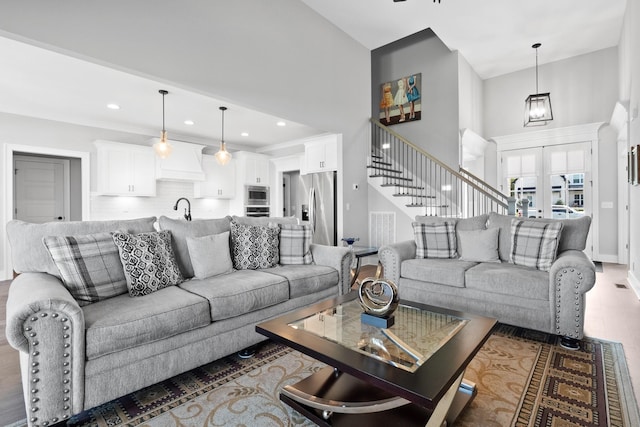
(494,36)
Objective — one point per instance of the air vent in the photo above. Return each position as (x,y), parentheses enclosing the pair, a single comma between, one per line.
(382,228)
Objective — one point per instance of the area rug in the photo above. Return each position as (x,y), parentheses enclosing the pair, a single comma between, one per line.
(523,377)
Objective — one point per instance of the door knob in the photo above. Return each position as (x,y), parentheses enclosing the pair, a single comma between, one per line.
(60,218)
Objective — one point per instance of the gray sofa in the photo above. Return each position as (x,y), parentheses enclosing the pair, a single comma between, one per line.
(551,301)
(74,357)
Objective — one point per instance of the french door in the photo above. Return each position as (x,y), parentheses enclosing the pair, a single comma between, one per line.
(556,180)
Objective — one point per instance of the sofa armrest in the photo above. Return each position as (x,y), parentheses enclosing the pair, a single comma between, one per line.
(337,257)
(391,257)
(571,275)
(46,325)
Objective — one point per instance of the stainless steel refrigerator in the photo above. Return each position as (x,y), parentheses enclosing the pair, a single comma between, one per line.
(313,201)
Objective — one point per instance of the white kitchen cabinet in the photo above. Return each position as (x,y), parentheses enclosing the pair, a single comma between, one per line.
(321,155)
(219,181)
(253,168)
(125,169)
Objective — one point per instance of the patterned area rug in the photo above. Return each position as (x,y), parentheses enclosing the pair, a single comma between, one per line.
(523,379)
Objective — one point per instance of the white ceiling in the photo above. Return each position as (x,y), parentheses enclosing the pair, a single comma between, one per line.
(494,36)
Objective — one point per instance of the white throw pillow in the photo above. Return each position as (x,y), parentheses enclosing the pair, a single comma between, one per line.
(210,255)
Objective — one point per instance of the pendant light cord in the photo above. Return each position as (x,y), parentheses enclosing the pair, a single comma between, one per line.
(537,71)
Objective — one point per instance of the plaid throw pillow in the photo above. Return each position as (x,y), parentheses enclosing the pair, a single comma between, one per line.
(148,261)
(534,244)
(89,266)
(254,246)
(295,244)
(435,240)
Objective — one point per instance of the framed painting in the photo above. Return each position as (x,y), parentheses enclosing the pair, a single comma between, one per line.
(401,100)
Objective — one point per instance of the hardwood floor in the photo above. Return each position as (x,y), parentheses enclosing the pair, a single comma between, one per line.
(613,313)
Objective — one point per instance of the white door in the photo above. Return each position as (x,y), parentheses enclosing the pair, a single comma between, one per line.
(555,179)
(521,172)
(41,189)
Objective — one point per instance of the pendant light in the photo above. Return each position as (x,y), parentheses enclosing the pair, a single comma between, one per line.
(537,107)
(223,156)
(163,148)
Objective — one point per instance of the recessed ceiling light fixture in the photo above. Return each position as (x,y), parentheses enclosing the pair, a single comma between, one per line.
(189,122)
(281,123)
(537,107)
(244,134)
(163,148)
(113,106)
(223,156)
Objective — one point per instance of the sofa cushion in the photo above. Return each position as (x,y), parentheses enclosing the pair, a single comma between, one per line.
(254,246)
(534,244)
(295,244)
(28,254)
(478,245)
(450,272)
(123,322)
(435,240)
(264,221)
(574,232)
(210,255)
(181,229)
(509,279)
(89,266)
(306,279)
(240,292)
(148,261)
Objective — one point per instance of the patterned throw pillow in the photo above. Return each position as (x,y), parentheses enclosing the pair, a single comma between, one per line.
(435,240)
(148,261)
(534,244)
(295,244)
(89,266)
(254,246)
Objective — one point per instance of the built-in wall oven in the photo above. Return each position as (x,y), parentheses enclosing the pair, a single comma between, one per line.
(256,211)
(255,195)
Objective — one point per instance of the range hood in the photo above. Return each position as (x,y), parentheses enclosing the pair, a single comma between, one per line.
(184,163)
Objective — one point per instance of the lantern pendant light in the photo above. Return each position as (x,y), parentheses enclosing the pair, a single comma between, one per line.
(163,148)
(537,107)
(223,156)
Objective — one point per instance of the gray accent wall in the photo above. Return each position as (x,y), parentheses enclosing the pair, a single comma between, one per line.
(438,130)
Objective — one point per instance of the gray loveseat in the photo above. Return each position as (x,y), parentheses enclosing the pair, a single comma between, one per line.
(76,356)
(551,301)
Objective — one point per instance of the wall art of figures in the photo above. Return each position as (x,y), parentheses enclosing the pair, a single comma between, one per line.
(400,100)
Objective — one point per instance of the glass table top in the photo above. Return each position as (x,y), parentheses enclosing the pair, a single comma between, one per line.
(415,336)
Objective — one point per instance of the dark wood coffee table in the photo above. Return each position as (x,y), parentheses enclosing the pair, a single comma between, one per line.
(410,374)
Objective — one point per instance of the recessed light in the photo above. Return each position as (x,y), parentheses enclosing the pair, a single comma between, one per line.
(189,122)
(113,106)
(244,134)
(281,123)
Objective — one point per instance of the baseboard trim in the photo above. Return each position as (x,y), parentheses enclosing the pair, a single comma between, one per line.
(634,282)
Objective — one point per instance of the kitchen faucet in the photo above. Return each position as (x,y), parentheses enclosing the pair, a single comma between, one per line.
(187,212)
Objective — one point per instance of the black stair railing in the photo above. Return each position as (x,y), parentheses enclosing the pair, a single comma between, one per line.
(426,182)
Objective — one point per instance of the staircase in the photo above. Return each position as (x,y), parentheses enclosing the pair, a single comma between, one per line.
(419,184)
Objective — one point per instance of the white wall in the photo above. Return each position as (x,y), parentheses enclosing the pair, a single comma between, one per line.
(584,89)
(629,90)
(470,97)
